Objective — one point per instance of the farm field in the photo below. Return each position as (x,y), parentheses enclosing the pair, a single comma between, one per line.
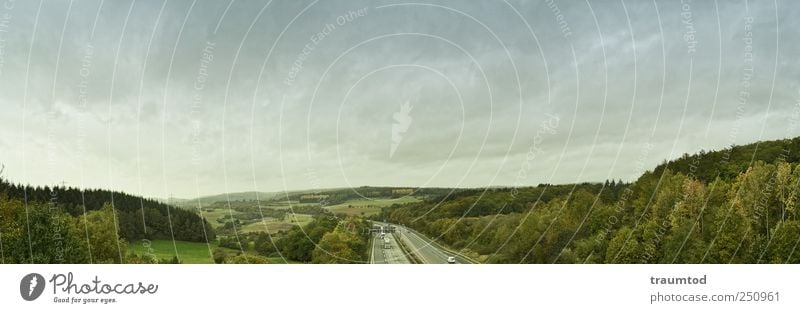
(275,225)
(216,217)
(188,252)
(368,207)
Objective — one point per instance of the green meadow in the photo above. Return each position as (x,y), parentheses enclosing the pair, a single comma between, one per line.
(188,252)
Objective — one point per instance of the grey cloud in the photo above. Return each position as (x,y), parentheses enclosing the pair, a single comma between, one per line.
(245,123)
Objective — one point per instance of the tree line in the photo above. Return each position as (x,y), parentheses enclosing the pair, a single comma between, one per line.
(739,205)
(42,234)
(138,217)
(69,225)
(326,239)
(339,196)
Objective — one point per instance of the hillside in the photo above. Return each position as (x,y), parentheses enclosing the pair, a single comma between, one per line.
(728,163)
(137,217)
(342,195)
(234,196)
(739,205)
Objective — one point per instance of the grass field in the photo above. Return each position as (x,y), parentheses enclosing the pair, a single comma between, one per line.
(368,207)
(274,225)
(257,225)
(213,215)
(188,252)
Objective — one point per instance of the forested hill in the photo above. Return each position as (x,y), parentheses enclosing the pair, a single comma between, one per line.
(728,163)
(740,205)
(137,217)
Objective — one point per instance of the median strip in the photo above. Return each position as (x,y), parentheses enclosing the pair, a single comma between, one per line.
(412,257)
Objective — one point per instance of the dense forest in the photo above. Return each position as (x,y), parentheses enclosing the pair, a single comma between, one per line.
(738,205)
(69,225)
(138,218)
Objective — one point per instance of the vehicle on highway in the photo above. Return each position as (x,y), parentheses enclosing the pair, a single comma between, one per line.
(451,260)
(387,243)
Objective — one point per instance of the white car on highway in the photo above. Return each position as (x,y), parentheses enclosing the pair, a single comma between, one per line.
(451,260)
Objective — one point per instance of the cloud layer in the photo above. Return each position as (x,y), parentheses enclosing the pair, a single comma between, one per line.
(191,98)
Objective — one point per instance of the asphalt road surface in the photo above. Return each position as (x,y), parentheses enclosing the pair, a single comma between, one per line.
(424,248)
(390,254)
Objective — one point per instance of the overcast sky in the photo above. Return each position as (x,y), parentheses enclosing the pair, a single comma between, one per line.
(191,98)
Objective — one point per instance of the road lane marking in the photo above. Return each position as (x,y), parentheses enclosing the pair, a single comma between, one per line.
(432,248)
(419,254)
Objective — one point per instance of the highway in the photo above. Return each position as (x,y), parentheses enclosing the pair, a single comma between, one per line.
(391,254)
(422,247)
